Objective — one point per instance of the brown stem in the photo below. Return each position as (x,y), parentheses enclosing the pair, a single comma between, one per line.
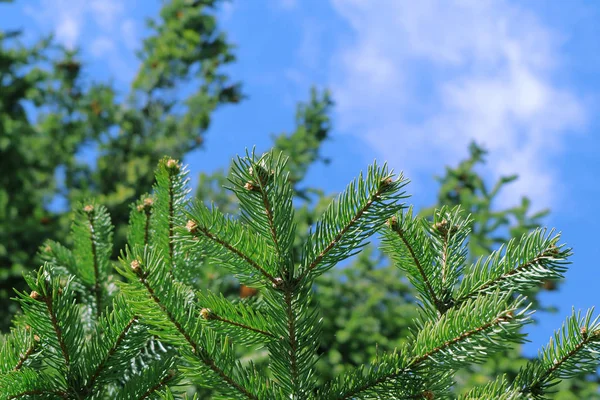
(54,321)
(227,321)
(25,356)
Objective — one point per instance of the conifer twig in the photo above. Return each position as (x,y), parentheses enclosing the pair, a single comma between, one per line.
(436,300)
(200,352)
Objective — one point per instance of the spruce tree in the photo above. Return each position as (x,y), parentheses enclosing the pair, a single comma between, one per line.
(85,333)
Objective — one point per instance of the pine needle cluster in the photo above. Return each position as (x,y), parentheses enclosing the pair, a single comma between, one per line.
(145,332)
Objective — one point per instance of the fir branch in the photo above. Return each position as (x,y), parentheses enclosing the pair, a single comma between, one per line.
(267,206)
(227,240)
(57,329)
(519,265)
(16,348)
(51,312)
(436,301)
(498,389)
(448,234)
(145,269)
(242,321)
(298,327)
(29,382)
(36,392)
(96,287)
(291,327)
(411,249)
(111,352)
(92,231)
(212,316)
(449,343)
(167,211)
(25,356)
(357,213)
(163,382)
(154,377)
(574,349)
(197,349)
(139,221)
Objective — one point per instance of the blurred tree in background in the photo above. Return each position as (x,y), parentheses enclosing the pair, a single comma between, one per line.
(50,114)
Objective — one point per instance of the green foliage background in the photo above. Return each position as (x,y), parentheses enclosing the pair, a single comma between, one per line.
(49,112)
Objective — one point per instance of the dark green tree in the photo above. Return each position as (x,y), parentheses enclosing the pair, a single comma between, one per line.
(80,336)
(49,113)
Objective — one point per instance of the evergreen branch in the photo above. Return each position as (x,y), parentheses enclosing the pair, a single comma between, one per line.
(574,349)
(51,312)
(139,221)
(110,353)
(29,382)
(291,327)
(197,349)
(448,235)
(16,349)
(411,249)
(63,262)
(436,301)
(449,343)
(35,392)
(357,213)
(57,329)
(211,316)
(389,373)
(299,328)
(267,207)
(92,232)
(535,257)
(229,242)
(163,382)
(23,358)
(498,389)
(242,321)
(96,287)
(176,307)
(167,211)
(152,378)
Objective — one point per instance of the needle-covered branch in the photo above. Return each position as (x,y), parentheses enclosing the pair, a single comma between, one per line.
(152,333)
(209,233)
(357,213)
(519,265)
(443,346)
(172,312)
(265,194)
(573,350)
(242,321)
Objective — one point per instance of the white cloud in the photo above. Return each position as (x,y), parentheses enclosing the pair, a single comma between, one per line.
(103,24)
(422,79)
(101,46)
(129,33)
(287,4)
(106,12)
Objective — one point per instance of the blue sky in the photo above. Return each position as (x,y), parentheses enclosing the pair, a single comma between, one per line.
(414,82)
